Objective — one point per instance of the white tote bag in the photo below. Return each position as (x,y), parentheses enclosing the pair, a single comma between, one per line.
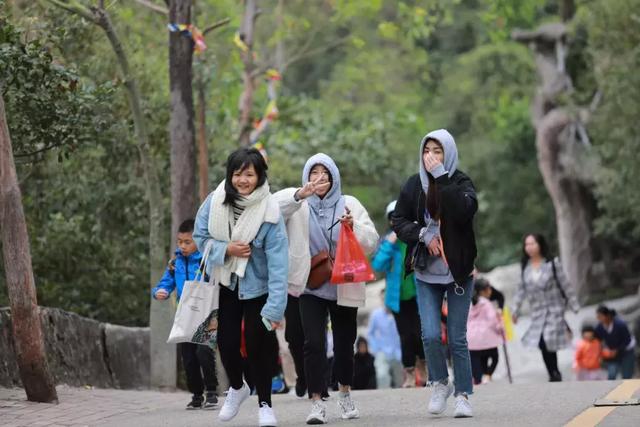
(196,318)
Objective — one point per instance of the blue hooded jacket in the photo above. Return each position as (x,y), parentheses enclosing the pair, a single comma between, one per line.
(186,268)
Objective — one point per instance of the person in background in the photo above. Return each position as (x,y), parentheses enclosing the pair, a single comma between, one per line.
(199,361)
(588,356)
(619,352)
(549,293)
(484,333)
(400,298)
(364,371)
(384,344)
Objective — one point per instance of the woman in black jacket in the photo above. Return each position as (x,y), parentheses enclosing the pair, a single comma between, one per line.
(434,217)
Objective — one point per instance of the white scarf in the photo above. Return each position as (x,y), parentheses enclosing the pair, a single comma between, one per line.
(259,207)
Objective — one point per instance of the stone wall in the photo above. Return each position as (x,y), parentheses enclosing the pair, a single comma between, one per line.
(82,351)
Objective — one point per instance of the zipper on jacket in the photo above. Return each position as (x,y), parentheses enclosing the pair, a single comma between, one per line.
(186,264)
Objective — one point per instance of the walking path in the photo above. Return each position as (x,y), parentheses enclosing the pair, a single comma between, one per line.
(497,404)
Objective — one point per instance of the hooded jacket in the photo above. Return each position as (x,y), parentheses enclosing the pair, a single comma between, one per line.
(303,241)
(185,268)
(458,205)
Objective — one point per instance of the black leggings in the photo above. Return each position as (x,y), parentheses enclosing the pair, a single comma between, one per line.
(483,362)
(409,329)
(314,312)
(261,343)
(550,360)
(294,334)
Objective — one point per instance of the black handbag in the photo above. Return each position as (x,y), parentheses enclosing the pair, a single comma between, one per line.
(419,257)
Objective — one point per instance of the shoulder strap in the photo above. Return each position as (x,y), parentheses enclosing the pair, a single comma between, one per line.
(555,279)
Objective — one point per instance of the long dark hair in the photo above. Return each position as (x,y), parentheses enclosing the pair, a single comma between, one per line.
(545,252)
(433,198)
(240,160)
(481,285)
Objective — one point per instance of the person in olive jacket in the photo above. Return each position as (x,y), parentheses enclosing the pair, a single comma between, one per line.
(434,217)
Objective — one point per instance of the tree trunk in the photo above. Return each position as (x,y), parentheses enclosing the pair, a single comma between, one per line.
(203,156)
(163,362)
(25,320)
(246,99)
(559,154)
(181,128)
(571,199)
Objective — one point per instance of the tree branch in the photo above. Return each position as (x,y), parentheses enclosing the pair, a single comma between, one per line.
(216,25)
(75,7)
(313,52)
(154,7)
(41,150)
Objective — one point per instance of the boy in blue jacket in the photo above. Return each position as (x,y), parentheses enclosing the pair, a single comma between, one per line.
(199,361)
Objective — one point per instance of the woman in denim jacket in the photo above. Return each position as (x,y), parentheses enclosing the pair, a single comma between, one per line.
(249,259)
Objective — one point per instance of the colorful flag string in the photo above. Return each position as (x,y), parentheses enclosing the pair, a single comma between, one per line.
(270,113)
(193,33)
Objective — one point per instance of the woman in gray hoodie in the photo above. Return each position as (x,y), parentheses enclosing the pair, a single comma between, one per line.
(314,215)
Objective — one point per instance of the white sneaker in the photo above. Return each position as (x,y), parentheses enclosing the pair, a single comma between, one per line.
(347,407)
(266,416)
(318,414)
(463,407)
(439,396)
(233,401)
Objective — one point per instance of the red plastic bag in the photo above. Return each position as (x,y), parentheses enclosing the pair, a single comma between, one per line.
(350,265)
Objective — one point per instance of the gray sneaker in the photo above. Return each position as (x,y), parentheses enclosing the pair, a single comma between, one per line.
(347,407)
(463,407)
(318,414)
(439,396)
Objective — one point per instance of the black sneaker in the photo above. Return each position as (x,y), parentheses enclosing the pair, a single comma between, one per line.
(196,403)
(211,401)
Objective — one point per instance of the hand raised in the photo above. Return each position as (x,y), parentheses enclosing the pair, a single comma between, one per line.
(312,187)
(430,162)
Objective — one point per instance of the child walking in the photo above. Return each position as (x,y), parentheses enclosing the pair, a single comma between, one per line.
(199,361)
(484,333)
(588,356)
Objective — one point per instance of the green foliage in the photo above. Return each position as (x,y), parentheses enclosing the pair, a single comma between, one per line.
(46,105)
(363,81)
(614,54)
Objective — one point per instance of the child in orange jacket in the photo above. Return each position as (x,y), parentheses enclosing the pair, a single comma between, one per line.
(588,356)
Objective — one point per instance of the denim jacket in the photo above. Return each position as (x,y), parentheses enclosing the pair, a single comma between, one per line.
(268,265)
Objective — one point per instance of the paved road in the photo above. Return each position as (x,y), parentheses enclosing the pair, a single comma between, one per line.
(497,404)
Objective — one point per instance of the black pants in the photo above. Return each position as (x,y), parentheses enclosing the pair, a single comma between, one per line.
(483,362)
(314,312)
(199,363)
(408,324)
(259,341)
(294,334)
(550,361)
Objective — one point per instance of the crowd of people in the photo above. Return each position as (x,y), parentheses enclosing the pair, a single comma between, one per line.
(272,257)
